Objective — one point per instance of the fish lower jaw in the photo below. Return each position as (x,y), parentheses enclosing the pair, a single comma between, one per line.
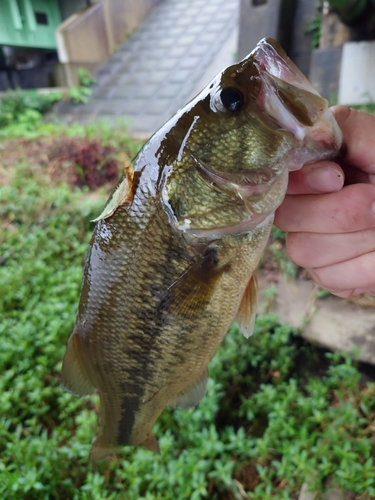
(327,132)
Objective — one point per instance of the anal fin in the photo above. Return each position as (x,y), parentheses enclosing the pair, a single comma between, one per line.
(151,443)
(73,375)
(100,452)
(247,310)
(192,394)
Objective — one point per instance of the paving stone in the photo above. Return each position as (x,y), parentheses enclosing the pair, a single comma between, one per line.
(166,42)
(93,106)
(62,108)
(169,90)
(102,79)
(199,50)
(180,6)
(211,8)
(133,106)
(207,38)
(102,92)
(155,71)
(175,32)
(189,62)
(158,106)
(75,109)
(177,52)
(187,40)
(124,91)
(111,108)
(185,21)
(159,77)
(147,65)
(148,91)
(113,68)
(222,24)
(168,64)
(174,15)
(195,11)
(222,16)
(180,76)
(228,6)
(196,28)
(133,79)
(332,323)
(144,124)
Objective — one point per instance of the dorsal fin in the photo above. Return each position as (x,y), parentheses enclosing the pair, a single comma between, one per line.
(247,310)
(124,191)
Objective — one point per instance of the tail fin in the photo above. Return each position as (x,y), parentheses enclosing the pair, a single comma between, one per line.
(99,451)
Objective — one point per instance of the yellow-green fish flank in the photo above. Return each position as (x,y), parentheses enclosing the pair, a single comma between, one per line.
(172,257)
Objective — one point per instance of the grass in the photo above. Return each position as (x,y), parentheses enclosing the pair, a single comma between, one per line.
(278,411)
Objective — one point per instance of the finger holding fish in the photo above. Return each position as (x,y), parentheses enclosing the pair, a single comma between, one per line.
(332,234)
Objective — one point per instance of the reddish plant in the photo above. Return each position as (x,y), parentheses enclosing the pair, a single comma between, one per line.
(92,164)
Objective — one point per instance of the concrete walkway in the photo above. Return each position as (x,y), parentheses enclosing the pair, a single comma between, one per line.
(180,46)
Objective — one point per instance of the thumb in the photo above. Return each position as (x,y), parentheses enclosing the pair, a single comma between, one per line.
(359,131)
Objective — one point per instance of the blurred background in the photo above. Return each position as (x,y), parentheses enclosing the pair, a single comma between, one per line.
(150,56)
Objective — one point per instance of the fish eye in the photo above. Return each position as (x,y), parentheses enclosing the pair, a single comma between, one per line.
(232,98)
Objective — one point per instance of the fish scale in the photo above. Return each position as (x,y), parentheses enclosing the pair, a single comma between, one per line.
(172,258)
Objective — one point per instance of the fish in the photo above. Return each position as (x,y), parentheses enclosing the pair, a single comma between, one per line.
(172,257)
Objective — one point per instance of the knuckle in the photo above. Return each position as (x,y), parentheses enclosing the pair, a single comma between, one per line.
(355,212)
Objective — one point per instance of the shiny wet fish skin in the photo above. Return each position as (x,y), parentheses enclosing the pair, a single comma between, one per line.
(172,257)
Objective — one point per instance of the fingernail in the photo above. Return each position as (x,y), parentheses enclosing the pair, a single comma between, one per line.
(325,180)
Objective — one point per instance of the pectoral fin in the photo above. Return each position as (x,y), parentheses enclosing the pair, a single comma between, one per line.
(73,377)
(191,396)
(191,293)
(247,310)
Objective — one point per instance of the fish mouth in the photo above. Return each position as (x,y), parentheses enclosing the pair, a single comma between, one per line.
(293,103)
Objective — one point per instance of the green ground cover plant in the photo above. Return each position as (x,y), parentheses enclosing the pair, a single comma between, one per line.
(277,411)
(22,111)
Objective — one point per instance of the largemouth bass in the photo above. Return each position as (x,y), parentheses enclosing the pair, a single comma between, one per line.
(172,257)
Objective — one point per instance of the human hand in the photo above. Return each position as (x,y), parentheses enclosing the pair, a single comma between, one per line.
(331,228)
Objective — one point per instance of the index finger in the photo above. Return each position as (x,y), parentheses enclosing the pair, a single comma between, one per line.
(359,131)
(323,177)
(351,209)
